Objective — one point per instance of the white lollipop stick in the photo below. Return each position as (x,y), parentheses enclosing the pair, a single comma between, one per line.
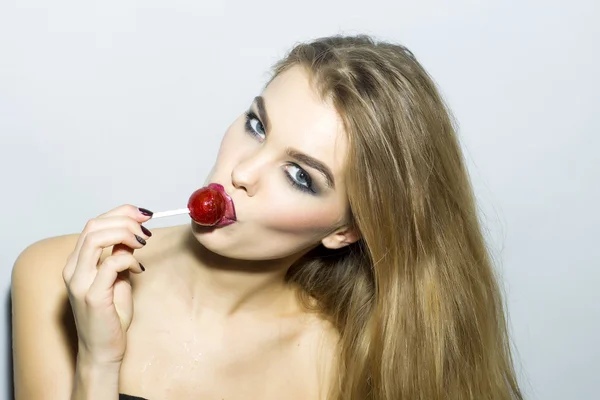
(170,213)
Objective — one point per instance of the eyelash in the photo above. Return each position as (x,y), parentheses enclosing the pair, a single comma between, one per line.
(250,115)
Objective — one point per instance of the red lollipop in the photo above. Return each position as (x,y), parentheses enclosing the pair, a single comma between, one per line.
(207,206)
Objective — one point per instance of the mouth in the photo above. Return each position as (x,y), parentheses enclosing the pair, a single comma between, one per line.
(229,217)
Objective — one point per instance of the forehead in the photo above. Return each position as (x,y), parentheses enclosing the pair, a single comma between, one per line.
(300,119)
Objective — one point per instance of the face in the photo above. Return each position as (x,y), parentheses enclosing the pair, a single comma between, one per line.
(282,163)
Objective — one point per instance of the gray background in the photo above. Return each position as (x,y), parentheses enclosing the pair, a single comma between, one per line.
(103,103)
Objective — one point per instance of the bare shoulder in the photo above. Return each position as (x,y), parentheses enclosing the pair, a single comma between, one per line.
(44,336)
(43,328)
(315,355)
(38,269)
(39,256)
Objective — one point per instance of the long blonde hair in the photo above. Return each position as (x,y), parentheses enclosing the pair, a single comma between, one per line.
(416,302)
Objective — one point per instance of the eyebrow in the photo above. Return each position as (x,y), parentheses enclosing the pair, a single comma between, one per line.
(313,163)
(262,111)
(297,155)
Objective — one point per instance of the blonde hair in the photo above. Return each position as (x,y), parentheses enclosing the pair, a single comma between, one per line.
(416,302)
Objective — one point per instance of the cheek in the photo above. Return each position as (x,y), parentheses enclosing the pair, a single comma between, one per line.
(291,213)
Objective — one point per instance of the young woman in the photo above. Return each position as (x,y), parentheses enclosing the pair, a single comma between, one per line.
(356,268)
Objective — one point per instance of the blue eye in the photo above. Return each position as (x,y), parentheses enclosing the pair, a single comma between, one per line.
(253,125)
(299,178)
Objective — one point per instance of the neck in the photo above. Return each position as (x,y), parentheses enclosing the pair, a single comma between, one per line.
(206,281)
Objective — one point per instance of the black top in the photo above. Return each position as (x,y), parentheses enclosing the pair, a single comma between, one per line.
(128,397)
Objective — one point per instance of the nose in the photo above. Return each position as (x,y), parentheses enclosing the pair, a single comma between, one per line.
(246,175)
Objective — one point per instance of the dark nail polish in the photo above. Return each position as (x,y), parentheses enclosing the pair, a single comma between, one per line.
(146,212)
(146,231)
(142,267)
(140,239)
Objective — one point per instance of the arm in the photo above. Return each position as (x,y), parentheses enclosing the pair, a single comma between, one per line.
(93,381)
(55,273)
(44,336)
(45,360)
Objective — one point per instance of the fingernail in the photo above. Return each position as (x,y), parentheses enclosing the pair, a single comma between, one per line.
(142,267)
(146,231)
(141,240)
(146,212)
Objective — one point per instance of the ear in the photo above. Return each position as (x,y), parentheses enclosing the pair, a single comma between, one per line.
(341,237)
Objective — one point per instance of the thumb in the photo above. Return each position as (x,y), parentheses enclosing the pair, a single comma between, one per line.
(120,249)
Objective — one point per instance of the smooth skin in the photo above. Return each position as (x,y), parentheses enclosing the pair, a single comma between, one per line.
(211,317)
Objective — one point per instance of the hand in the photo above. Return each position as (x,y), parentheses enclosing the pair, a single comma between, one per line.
(100,293)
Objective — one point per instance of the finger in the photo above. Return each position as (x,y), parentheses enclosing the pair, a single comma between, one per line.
(116,221)
(121,248)
(138,214)
(112,222)
(145,233)
(95,242)
(69,268)
(101,289)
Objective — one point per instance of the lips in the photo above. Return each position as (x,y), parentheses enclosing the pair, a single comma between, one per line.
(229,217)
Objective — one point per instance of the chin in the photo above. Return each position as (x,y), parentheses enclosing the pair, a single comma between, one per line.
(228,243)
